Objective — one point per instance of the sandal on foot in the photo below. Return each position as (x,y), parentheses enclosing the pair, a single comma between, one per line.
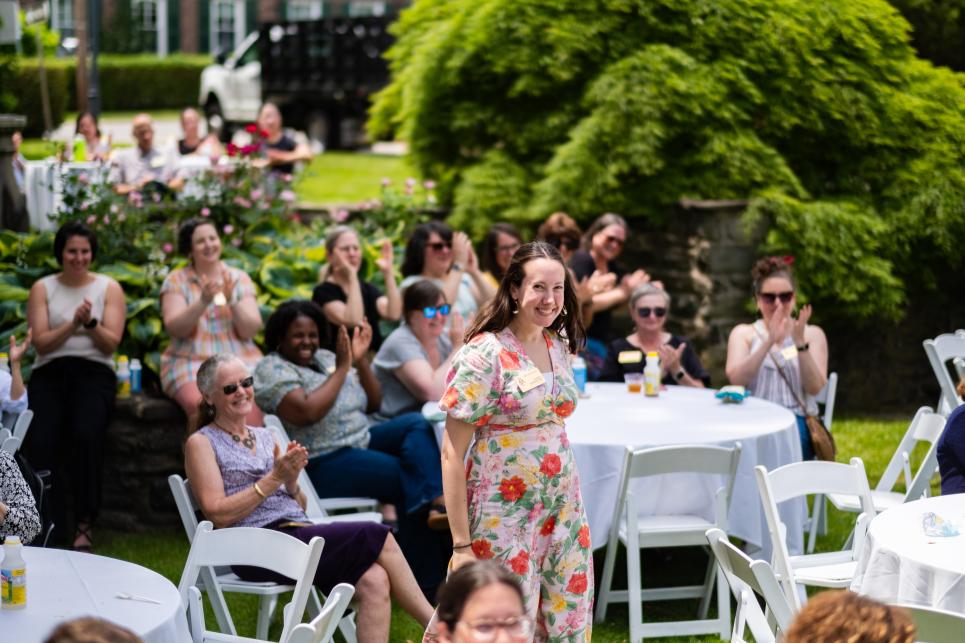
(87,548)
(438,520)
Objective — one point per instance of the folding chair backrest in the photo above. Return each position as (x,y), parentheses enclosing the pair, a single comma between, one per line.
(940,350)
(935,625)
(826,399)
(186,504)
(11,445)
(324,625)
(265,548)
(22,425)
(744,574)
(926,426)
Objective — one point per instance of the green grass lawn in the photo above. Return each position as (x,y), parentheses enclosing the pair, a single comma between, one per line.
(872,439)
(346,178)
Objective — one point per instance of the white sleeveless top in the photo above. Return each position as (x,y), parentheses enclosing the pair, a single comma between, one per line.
(768,384)
(62,301)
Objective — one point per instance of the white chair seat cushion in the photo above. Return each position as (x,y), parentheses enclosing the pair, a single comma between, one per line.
(833,569)
(679,529)
(883,500)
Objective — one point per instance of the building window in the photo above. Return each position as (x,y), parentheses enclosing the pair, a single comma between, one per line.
(227,26)
(366,8)
(144,14)
(304,10)
(62,17)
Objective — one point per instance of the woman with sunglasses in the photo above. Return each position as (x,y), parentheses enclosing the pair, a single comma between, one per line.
(243,478)
(447,259)
(758,353)
(412,364)
(502,240)
(324,402)
(482,601)
(649,306)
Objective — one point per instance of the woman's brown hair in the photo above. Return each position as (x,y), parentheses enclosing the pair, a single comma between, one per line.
(467,580)
(841,615)
(603,221)
(767,267)
(498,312)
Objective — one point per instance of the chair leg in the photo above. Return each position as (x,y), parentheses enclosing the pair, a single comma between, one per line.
(708,588)
(218,605)
(266,607)
(634,585)
(723,602)
(606,581)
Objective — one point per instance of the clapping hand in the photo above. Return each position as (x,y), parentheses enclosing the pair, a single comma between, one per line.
(670,357)
(387,260)
(779,326)
(209,288)
(82,313)
(18,351)
(798,325)
(287,466)
(227,284)
(361,340)
(461,247)
(339,268)
(457,328)
(343,350)
(635,279)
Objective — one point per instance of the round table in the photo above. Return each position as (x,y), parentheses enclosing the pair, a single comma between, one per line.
(900,564)
(63,585)
(611,419)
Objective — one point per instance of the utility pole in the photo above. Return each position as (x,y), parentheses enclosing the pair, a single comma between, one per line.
(94,30)
(80,29)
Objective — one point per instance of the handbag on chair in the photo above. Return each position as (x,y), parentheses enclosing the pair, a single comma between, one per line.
(821,439)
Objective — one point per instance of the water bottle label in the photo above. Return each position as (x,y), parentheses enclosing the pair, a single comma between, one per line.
(13,588)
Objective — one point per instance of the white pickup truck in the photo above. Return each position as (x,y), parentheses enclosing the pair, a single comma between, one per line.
(320,73)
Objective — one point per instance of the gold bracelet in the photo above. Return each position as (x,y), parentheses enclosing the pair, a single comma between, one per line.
(259,491)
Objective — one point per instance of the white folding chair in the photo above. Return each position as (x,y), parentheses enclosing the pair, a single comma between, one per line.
(216,581)
(638,531)
(264,548)
(748,578)
(323,626)
(11,445)
(935,625)
(318,509)
(940,350)
(926,426)
(832,569)
(819,513)
(22,425)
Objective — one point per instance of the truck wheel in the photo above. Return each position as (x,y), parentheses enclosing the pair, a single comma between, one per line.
(317,130)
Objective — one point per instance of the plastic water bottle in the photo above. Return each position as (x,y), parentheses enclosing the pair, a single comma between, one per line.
(123,378)
(579,374)
(4,362)
(651,375)
(13,575)
(135,375)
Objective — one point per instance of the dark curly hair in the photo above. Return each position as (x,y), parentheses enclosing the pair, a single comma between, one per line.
(288,312)
(490,247)
(466,580)
(767,267)
(73,229)
(498,312)
(186,232)
(415,248)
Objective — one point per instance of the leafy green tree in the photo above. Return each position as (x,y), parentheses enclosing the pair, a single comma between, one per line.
(851,146)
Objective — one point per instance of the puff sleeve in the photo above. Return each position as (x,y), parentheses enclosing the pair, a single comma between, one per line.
(475,382)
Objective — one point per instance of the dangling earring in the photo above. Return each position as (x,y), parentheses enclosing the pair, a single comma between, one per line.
(563,312)
(515,310)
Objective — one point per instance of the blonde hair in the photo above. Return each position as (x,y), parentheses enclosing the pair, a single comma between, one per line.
(843,616)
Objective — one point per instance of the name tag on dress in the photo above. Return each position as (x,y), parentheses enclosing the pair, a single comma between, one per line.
(530,380)
(630,357)
(789,352)
(158,162)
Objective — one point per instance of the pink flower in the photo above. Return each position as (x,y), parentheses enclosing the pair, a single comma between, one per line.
(84,206)
(408,190)
(429,185)
(83,178)
(236,242)
(242,201)
(508,404)
(287,196)
(287,178)
(535,511)
(264,205)
(206,212)
(228,229)
(106,219)
(340,215)
(386,182)
(410,182)
(114,208)
(256,194)
(168,248)
(91,220)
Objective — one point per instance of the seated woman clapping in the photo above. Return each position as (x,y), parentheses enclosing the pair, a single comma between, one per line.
(649,307)
(413,362)
(322,400)
(242,478)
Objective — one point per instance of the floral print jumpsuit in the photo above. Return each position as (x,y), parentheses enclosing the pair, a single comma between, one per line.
(523,488)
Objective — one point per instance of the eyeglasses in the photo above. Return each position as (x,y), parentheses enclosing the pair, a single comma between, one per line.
(563,242)
(438,246)
(617,240)
(771,297)
(248,382)
(430,311)
(658,312)
(518,627)
(508,249)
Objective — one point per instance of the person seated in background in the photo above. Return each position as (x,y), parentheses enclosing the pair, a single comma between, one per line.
(18,509)
(834,616)
(436,253)
(281,151)
(323,401)
(951,449)
(562,232)
(780,358)
(502,240)
(98,147)
(649,306)
(193,143)
(144,166)
(19,161)
(13,393)
(88,629)
(413,362)
(602,243)
(345,299)
(477,602)
(243,478)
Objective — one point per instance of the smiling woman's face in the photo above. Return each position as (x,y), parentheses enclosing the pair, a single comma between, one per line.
(300,342)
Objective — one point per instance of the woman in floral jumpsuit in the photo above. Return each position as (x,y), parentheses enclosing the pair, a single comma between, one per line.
(518,499)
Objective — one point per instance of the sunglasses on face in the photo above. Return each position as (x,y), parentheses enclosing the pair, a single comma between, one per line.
(771,297)
(616,240)
(438,246)
(562,242)
(658,312)
(248,382)
(508,249)
(430,311)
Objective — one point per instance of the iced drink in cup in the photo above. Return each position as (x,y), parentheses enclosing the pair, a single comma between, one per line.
(634,382)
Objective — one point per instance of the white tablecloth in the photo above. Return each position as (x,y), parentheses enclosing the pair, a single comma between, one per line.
(62,585)
(900,564)
(611,419)
(44,186)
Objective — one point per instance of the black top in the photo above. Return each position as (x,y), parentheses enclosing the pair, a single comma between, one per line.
(285,144)
(613,370)
(184,149)
(951,453)
(583,266)
(328,291)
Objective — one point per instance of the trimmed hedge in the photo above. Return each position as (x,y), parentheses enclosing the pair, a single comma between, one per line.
(128,83)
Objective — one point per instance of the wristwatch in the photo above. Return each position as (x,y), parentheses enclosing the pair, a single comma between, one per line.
(457,266)
(679,375)
(92,324)
(803,347)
